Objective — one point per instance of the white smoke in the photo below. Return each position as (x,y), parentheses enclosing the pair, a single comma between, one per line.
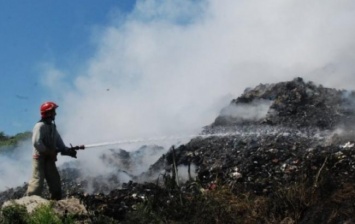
(254,110)
(15,165)
(169,67)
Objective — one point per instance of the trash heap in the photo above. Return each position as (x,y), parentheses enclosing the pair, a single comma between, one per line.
(290,145)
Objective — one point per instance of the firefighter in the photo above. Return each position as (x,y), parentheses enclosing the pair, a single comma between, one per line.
(47,143)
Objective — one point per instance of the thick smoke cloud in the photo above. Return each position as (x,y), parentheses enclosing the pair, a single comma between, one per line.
(169,67)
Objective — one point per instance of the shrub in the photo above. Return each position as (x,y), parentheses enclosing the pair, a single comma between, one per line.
(14,214)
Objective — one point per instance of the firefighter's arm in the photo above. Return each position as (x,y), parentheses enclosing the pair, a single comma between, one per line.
(64,150)
(37,136)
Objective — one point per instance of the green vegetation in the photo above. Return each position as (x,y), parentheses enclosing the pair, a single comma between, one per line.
(12,141)
(42,214)
(14,214)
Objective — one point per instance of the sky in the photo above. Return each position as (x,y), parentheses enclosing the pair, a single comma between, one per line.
(123,70)
(38,35)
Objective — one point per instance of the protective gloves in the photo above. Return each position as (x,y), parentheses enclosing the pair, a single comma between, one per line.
(72,150)
(69,152)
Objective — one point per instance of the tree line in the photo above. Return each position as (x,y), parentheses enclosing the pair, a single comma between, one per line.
(6,140)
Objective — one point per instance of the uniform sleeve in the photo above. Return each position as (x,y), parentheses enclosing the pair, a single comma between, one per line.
(60,144)
(37,138)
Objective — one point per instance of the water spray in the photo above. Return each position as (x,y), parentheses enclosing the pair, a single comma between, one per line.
(156,139)
(268,131)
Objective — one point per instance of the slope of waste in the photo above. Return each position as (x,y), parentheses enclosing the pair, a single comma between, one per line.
(287,148)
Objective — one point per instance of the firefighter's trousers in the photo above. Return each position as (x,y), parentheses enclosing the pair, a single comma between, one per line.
(45,169)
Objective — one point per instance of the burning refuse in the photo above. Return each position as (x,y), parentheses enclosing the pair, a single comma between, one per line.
(290,140)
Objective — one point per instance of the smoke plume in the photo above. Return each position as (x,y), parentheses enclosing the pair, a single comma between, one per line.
(169,67)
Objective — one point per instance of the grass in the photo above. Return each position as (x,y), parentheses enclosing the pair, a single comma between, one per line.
(43,214)
(16,214)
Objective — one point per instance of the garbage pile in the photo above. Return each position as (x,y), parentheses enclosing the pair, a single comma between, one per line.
(274,136)
(293,104)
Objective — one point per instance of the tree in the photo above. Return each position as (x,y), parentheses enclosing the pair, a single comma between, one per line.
(3,137)
(13,140)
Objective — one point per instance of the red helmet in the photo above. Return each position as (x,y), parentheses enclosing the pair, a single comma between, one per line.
(47,106)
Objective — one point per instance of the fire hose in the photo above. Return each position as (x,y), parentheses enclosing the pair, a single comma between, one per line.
(72,150)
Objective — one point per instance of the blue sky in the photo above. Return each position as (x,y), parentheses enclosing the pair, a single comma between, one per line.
(146,68)
(36,32)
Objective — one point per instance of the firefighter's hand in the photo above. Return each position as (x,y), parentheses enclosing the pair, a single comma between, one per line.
(69,152)
(72,153)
